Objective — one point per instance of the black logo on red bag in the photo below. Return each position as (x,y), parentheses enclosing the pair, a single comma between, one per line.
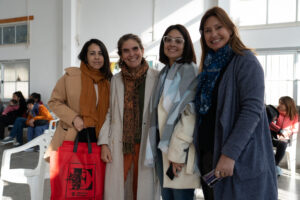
(81,180)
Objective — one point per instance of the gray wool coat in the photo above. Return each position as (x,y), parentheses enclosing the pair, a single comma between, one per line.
(242,133)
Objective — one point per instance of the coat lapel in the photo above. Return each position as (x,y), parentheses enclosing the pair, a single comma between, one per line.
(120,95)
(148,90)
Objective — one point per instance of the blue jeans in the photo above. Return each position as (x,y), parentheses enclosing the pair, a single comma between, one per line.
(35,131)
(177,194)
(17,130)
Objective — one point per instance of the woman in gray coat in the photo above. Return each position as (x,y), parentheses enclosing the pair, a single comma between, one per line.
(232,134)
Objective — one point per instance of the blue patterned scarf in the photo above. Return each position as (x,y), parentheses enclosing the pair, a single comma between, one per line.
(213,64)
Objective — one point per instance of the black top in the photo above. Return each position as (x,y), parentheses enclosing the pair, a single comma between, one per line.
(207,127)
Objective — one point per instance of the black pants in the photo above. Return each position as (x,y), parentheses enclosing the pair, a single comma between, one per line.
(205,166)
(91,131)
(280,149)
(6,120)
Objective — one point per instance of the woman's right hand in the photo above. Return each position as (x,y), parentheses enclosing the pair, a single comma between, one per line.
(105,154)
(78,123)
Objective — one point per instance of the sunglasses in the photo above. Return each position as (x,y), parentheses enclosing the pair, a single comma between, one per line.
(168,40)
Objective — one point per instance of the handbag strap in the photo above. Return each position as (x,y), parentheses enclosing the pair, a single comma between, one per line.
(88,141)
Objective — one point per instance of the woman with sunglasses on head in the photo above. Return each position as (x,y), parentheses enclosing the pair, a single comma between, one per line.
(231,124)
(124,133)
(172,118)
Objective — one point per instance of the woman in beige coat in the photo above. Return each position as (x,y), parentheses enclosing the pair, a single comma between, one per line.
(124,133)
(66,101)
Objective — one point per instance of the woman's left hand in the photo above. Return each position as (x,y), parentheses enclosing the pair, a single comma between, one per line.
(224,167)
(177,167)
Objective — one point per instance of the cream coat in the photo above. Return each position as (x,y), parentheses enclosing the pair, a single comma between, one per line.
(111,134)
(181,141)
(64,102)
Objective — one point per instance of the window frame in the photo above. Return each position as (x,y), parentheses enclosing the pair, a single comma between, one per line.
(15,25)
(296,57)
(2,89)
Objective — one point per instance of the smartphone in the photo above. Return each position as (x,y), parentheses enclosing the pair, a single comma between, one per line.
(210,179)
(169,172)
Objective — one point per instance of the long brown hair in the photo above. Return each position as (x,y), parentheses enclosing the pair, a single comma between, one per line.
(290,105)
(235,42)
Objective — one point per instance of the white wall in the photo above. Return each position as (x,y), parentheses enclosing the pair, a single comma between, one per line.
(60,28)
(109,20)
(44,50)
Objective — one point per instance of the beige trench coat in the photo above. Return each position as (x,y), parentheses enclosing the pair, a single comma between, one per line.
(64,102)
(182,139)
(111,134)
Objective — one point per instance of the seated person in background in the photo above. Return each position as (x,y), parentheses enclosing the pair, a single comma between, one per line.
(12,106)
(1,106)
(36,97)
(38,119)
(273,115)
(285,126)
(6,120)
(19,124)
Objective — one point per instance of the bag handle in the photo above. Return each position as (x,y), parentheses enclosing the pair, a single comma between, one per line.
(88,141)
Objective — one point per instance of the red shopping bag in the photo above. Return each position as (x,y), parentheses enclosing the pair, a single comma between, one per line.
(76,171)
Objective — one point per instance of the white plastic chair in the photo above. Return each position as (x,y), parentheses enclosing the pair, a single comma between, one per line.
(291,154)
(33,177)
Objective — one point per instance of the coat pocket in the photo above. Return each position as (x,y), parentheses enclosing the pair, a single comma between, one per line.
(249,165)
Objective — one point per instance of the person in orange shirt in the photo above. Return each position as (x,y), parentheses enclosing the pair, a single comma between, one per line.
(285,126)
(38,119)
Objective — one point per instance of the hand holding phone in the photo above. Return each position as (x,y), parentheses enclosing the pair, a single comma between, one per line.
(169,172)
(210,179)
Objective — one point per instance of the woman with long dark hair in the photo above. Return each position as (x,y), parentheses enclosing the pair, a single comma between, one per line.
(10,118)
(80,99)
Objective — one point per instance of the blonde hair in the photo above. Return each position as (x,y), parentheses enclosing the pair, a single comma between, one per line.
(235,42)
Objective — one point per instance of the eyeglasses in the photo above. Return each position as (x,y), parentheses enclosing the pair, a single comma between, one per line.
(168,40)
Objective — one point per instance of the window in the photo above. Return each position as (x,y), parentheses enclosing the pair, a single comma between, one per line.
(15,77)
(282,77)
(9,35)
(258,12)
(243,12)
(13,34)
(21,33)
